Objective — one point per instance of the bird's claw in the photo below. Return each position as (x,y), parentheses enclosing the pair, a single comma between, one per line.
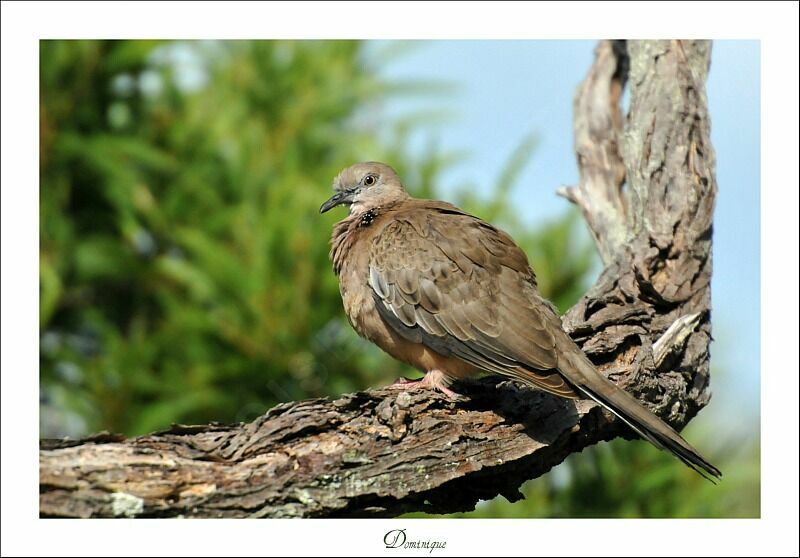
(434,380)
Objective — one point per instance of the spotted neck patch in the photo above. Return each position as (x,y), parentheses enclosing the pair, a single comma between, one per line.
(367,218)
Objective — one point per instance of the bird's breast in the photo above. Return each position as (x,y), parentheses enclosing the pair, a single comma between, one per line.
(359,304)
(351,246)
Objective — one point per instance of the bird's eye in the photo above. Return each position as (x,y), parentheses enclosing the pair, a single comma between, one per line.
(369,180)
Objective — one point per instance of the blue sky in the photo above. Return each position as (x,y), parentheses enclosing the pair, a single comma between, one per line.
(506,90)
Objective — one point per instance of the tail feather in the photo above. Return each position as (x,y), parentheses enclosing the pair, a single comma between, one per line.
(587,380)
(663,438)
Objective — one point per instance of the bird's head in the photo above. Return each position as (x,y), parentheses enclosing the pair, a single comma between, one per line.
(365,186)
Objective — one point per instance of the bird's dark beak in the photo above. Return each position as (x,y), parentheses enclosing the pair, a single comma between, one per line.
(338,198)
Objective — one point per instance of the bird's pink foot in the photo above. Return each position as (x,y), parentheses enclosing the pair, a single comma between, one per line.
(434,379)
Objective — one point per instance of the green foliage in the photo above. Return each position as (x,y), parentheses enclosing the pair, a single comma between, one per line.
(184,272)
(184,264)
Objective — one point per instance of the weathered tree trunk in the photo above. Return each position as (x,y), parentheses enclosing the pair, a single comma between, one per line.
(647,192)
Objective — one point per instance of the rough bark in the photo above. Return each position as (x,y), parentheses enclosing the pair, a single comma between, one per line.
(647,192)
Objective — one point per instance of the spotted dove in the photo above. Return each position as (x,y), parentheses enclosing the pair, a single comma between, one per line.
(454,296)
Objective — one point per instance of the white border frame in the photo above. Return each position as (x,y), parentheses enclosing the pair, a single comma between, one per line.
(775,24)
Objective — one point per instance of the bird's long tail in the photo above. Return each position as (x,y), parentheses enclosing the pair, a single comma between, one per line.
(585,377)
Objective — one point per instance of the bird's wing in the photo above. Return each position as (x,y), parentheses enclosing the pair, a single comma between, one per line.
(461,287)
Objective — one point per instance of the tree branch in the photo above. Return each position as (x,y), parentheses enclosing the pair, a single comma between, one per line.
(598,126)
(647,193)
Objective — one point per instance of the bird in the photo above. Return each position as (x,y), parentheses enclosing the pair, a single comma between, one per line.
(454,297)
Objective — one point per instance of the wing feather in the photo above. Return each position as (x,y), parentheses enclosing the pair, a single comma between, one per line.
(461,287)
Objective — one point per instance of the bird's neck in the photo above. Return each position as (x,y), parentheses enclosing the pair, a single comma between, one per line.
(348,231)
(366,218)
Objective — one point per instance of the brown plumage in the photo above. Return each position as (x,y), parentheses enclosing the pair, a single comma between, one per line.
(454,296)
